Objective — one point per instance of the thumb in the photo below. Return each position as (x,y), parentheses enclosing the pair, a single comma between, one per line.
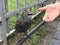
(41,9)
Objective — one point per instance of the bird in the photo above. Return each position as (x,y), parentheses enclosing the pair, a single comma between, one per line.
(23,23)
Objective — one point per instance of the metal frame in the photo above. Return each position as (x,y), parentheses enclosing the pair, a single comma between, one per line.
(19,10)
(4,16)
(3,30)
(22,40)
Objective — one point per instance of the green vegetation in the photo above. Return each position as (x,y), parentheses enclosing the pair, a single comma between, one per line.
(35,39)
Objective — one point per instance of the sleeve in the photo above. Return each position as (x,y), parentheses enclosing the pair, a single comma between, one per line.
(58,1)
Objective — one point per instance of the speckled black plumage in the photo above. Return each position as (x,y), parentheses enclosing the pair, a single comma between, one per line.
(23,23)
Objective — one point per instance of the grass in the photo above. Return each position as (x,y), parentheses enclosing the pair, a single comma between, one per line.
(11,7)
(35,39)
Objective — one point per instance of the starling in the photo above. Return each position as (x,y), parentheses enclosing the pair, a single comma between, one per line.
(23,23)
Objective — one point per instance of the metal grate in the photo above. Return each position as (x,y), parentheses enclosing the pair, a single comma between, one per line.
(5,15)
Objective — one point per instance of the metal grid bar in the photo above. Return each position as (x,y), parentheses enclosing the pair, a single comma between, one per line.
(35,8)
(30,3)
(17,15)
(3,30)
(17,4)
(24,3)
(6,11)
(19,10)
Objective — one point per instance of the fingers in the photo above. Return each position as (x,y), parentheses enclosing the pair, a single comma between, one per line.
(47,18)
(51,13)
(41,9)
(44,8)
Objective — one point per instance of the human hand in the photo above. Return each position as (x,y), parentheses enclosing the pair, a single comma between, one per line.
(52,11)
